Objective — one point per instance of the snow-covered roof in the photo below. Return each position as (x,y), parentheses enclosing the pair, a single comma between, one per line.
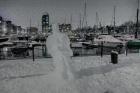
(128,37)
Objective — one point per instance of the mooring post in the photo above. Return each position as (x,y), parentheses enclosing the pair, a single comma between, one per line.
(33,53)
(102,49)
(126,49)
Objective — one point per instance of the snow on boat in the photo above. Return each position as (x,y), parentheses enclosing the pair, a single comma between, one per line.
(108,41)
(76,45)
(89,45)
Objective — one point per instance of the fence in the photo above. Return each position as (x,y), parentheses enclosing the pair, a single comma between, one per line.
(39,52)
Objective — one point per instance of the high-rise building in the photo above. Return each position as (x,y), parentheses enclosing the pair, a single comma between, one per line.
(32,30)
(18,29)
(45,23)
(65,27)
(1,20)
(9,27)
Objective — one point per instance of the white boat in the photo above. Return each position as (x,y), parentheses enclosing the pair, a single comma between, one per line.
(108,41)
(90,45)
(76,45)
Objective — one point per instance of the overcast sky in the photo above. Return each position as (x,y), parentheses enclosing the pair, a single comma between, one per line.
(20,11)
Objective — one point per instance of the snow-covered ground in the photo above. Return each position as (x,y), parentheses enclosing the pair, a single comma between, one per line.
(93,74)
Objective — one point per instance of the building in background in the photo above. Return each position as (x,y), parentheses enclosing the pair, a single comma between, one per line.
(9,26)
(1,22)
(65,28)
(1,19)
(32,31)
(45,23)
(4,28)
(18,29)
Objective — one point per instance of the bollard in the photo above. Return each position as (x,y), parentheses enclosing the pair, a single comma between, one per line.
(33,53)
(114,57)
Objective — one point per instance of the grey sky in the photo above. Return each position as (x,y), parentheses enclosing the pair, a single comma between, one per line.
(20,11)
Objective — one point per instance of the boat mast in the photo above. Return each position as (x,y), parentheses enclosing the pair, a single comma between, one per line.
(86,13)
(137,22)
(114,18)
(30,26)
(80,22)
(97,21)
(84,23)
(71,19)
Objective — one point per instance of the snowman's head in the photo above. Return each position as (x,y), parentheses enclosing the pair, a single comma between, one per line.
(55,28)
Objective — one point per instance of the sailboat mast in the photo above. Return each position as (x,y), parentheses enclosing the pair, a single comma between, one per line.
(136,33)
(84,23)
(86,12)
(71,19)
(30,23)
(114,18)
(97,22)
(65,20)
(80,21)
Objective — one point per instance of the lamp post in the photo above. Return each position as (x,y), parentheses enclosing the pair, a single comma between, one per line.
(4,30)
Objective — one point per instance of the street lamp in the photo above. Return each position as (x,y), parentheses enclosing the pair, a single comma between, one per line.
(4,30)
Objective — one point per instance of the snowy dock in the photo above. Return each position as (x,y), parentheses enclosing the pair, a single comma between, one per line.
(93,74)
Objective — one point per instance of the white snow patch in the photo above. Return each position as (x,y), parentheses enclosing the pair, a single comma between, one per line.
(93,75)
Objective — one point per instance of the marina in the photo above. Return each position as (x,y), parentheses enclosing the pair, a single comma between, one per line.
(69,46)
